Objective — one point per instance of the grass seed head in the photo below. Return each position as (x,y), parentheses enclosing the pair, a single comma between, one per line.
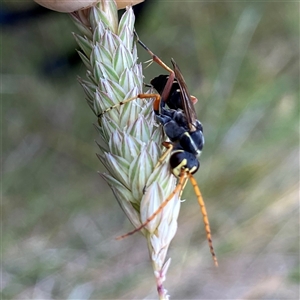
(131,140)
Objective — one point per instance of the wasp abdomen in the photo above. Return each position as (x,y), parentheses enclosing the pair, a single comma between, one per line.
(173,100)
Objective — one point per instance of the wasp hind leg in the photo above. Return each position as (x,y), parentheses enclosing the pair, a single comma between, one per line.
(155,58)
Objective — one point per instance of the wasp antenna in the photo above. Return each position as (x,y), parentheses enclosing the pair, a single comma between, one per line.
(205,217)
(183,187)
(176,190)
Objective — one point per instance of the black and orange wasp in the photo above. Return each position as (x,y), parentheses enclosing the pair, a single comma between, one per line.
(184,131)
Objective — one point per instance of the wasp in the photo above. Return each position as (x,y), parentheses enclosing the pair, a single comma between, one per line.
(184,131)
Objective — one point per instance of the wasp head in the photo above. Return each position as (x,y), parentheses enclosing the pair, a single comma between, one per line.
(183,160)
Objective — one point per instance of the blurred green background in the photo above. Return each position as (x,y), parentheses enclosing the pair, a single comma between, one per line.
(59,218)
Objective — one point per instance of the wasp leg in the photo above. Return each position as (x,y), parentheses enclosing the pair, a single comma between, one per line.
(158,106)
(155,58)
(141,96)
(169,147)
(167,89)
(178,188)
(205,217)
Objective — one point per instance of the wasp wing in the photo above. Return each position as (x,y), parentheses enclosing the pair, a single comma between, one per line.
(187,104)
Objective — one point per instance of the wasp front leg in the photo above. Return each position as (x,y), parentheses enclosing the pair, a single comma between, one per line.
(169,147)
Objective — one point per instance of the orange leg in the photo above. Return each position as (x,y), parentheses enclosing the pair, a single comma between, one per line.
(205,217)
(168,86)
(169,147)
(165,93)
(157,98)
(155,58)
(141,96)
(178,189)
